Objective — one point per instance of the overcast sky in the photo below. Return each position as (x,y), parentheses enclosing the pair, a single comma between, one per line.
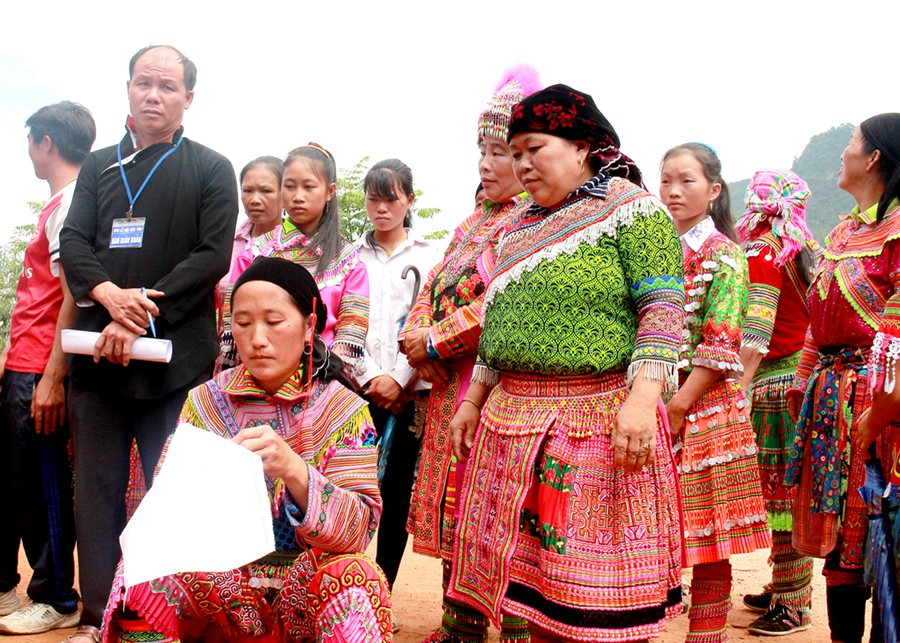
(755,80)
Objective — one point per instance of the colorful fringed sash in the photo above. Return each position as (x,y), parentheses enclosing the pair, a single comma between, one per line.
(836,395)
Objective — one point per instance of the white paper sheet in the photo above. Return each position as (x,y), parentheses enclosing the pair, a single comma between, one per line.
(208,510)
(148,349)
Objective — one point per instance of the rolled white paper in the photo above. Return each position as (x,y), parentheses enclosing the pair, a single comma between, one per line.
(148,349)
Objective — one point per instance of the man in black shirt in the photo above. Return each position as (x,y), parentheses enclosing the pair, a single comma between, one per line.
(155,212)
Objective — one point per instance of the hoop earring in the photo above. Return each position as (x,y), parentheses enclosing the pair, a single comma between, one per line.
(307,350)
(582,166)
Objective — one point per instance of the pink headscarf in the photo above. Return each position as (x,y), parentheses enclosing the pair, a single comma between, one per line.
(777,199)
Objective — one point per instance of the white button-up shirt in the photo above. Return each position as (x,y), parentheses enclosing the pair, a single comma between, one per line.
(390,298)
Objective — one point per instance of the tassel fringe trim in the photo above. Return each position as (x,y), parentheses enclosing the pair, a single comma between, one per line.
(883,362)
(482,374)
(665,373)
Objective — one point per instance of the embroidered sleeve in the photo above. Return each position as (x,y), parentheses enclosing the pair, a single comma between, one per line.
(765,289)
(720,342)
(352,322)
(886,346)
(458,333)
(344,504)
(809,356)
(651,256)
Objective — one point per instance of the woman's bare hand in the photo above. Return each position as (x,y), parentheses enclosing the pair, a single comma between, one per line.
(415,344)
(434,372)
(279,460)
(462,429)
(676,419)
(634,435)
(794,401)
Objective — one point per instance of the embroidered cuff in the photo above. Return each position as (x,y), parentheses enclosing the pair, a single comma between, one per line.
(716,357)
(295,514)
(353,356)
(430,349)
(666,373)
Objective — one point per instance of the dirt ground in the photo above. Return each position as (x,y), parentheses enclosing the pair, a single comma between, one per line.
(417,599)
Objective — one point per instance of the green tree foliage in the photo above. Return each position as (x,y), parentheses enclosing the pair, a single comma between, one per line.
(818,165)
(352,200)
(12,254)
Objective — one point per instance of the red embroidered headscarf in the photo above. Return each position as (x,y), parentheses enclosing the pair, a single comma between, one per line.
(562,111)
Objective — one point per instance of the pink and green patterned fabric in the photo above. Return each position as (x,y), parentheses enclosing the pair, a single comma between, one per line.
(776,200)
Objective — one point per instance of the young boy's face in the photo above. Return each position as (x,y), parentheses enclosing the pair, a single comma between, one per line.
(38,152)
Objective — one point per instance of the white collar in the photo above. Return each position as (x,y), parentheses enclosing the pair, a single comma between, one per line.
(696,236)
(411,239)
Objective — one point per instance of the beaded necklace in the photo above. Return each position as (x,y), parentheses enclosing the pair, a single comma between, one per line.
(453,269)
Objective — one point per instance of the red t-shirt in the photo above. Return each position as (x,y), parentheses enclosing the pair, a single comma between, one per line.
(39,293)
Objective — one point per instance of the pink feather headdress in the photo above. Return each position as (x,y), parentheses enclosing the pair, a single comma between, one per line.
(518,82)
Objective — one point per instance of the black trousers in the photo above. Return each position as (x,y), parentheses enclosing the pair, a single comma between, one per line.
(847,606)
(103,428)
(36,479)
(396,489)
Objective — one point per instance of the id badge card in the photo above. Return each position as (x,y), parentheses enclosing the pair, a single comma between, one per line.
(127,233)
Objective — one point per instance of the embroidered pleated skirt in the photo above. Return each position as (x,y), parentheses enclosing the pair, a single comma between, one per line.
(724,512)
(551,531)
(774,434)
(287,596)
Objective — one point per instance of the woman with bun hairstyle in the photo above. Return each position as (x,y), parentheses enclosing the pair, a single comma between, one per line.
(289,404)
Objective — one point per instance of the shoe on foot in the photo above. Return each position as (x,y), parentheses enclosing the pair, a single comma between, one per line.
(778,621)
(36,618)
(758,602)
(9,602)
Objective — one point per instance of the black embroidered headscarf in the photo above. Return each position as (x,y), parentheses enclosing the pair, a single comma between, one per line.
(299,284)
(562,111)
(882,133)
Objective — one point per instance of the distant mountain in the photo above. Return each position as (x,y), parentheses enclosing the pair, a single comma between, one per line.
(818,165)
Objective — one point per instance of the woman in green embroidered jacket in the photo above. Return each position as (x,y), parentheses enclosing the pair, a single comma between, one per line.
(570,517)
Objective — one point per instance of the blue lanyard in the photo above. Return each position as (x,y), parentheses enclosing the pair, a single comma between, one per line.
(132,199)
